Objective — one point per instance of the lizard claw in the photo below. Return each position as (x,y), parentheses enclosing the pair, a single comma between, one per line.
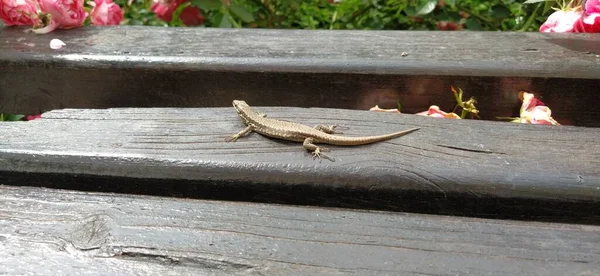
(317,154)
(232,138)
(333,129)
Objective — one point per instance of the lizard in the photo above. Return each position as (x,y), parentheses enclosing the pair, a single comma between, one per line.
(291,131)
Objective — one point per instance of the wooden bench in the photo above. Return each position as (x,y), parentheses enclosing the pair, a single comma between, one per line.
(128,172)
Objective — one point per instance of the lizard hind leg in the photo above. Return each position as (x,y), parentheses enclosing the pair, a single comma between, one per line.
(327,129)
(316,150)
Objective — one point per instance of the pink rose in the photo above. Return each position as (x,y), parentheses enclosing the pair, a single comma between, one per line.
(590,22)
(592,6)
(575,20)
(18,12)
(164,9)
(65,14)
(106,12)
(446,25)
(561,21)
(191,16)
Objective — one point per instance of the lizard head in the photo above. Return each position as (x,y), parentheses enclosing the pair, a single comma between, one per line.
(238,105)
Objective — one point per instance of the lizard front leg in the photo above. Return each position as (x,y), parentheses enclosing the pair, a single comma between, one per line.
(244,132)
(308,144)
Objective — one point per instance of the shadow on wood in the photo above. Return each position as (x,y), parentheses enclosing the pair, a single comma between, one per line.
(130,66)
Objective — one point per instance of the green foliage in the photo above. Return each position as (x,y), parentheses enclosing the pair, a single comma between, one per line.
(10,117)
(137,12)
(489,15)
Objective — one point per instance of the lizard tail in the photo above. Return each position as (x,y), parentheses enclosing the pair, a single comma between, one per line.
(352,141)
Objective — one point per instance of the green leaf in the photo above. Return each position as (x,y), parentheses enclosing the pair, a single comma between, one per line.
(410,11)
(11,117)
(454,16)
(500,11)
(547,7)
(14,117)
(225,22)
(426,7)
(450,2)
(473,24)
(208,4)
(241,12)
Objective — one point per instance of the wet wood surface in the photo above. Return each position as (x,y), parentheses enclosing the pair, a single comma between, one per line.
(463,167)
(130,66)
(57,232)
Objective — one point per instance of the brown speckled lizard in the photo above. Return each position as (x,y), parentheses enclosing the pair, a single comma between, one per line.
(296,132)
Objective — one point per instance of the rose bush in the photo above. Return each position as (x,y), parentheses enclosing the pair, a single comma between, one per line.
(450,15)
(45,16)
(343,14)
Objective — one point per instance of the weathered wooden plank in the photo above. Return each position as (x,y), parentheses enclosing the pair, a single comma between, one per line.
(65,232)
(449,166)
(428,53)
(130,66)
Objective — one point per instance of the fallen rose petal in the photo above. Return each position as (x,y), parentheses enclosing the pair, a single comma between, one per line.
(56,44)
(435,112)
(539,115)
(376,108)
(33,117)
(533,111)
(529,100)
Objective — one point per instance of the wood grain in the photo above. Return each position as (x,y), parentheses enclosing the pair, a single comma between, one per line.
(132,66)
(55,232)
(449,166)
